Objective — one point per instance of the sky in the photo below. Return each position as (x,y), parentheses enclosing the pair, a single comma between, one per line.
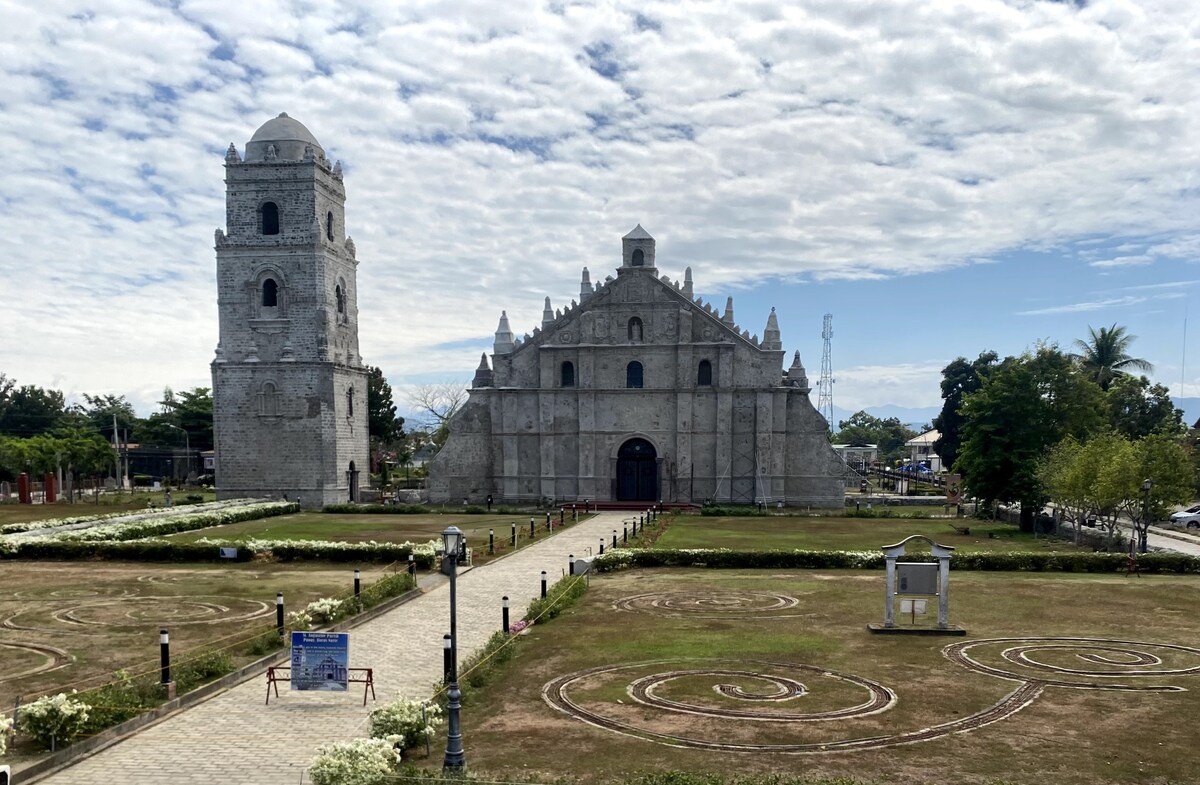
(945,178)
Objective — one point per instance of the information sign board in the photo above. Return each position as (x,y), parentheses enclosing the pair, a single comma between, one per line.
(916,578)
(320,661)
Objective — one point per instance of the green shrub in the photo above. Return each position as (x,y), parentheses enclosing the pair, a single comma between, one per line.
(720,558)
(121,699)
(738,510)
(559,597)
(201,668)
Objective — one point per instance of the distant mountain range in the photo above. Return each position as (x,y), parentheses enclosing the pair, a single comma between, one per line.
(917,417)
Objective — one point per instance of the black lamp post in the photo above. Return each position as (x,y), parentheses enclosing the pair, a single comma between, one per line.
(1147,484)
(455,758)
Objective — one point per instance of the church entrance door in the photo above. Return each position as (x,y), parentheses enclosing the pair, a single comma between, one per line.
(637,471)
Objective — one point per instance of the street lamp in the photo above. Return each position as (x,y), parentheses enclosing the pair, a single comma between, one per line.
(455,760)
(1147,484)
(187,441)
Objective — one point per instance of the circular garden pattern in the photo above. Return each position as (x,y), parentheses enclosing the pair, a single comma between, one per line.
(20,660)
(709,605)
(97,615)
(749,691)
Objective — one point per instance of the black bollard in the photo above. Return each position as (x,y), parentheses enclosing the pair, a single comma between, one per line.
(279,613)
(549,523)
(164,651)
(504,615)
(357,584)
(412,565)
(531,527)
(446,654)
(642,518)
(614,538)
(543,584)
(571,564)
(602,547)
(574,514)
(514,535)
(560,516)
(491,540)
(625,534)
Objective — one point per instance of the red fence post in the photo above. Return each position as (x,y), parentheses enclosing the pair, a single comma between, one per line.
(24,496)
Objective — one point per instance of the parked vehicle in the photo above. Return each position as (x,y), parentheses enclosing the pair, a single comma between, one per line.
(1190,517)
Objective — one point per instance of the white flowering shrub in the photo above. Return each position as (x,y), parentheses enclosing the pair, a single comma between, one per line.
(299,620)
(57,717)
(54,523)
(6,724)
(402,721)
(136,527)
(358,762)
(324,610)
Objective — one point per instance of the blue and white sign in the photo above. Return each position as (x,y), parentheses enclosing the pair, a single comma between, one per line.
(320,661)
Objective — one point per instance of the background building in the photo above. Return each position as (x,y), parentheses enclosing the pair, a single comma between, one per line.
(639,392)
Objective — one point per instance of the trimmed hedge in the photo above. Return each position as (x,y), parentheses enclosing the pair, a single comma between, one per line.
(156,550)
(417,509)
(1176,563)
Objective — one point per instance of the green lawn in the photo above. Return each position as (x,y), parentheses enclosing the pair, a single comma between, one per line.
(653,630)
(380,528)
(108,503)
(849,534)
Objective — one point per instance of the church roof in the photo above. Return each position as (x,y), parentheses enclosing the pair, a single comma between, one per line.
(638,233)
(284,129)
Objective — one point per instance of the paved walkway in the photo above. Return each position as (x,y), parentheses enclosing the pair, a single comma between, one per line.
(233,738)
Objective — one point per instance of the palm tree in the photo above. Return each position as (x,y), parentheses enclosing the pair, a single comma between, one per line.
(1105,356)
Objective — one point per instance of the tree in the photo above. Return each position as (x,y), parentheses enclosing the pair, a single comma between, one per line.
(30,410)
(1009,424)
(1162,459)
(101,410)
(959,378)
(382,423)
(887,435)
(193,410)
(1104,355)
(1138,408)
(438,403)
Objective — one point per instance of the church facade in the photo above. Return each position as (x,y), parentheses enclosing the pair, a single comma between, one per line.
(289,386)
(639,392)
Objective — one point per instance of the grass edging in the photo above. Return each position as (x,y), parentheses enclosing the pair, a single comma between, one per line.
(1012,561)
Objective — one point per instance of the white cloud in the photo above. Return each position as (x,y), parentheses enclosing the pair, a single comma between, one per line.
(494,149)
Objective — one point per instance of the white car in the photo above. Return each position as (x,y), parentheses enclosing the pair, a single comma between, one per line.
(1190,517)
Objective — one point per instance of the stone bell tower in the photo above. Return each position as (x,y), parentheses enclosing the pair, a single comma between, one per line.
(289,386)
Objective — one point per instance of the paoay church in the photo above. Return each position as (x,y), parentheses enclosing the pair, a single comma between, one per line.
(639,392)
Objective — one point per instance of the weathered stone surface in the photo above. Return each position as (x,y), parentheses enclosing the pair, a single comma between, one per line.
(289,386)
(534,427)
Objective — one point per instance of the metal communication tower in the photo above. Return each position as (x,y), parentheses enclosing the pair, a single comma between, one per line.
(825,400)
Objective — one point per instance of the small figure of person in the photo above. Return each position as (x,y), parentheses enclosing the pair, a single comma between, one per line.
(167,498)
(489,502)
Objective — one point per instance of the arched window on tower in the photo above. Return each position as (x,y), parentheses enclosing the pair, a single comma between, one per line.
(638,259)
(339,296)
(350,402)
(635,329)
(270,293)
(270,218)
(268,400)
(329,225)
(633,375)
(704,374)
(568,374)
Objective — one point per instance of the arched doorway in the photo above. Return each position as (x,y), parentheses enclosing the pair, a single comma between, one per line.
(637,471)
(352,476)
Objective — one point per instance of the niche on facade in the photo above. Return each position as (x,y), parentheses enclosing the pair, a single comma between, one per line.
(268,400)
(268,295)
(339,299)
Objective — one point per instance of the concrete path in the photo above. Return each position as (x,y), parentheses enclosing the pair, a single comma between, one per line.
(233,738)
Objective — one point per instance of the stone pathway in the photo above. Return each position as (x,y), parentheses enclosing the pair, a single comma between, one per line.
(233,738)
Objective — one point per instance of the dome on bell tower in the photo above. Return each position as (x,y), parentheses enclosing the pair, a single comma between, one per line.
(282,138)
